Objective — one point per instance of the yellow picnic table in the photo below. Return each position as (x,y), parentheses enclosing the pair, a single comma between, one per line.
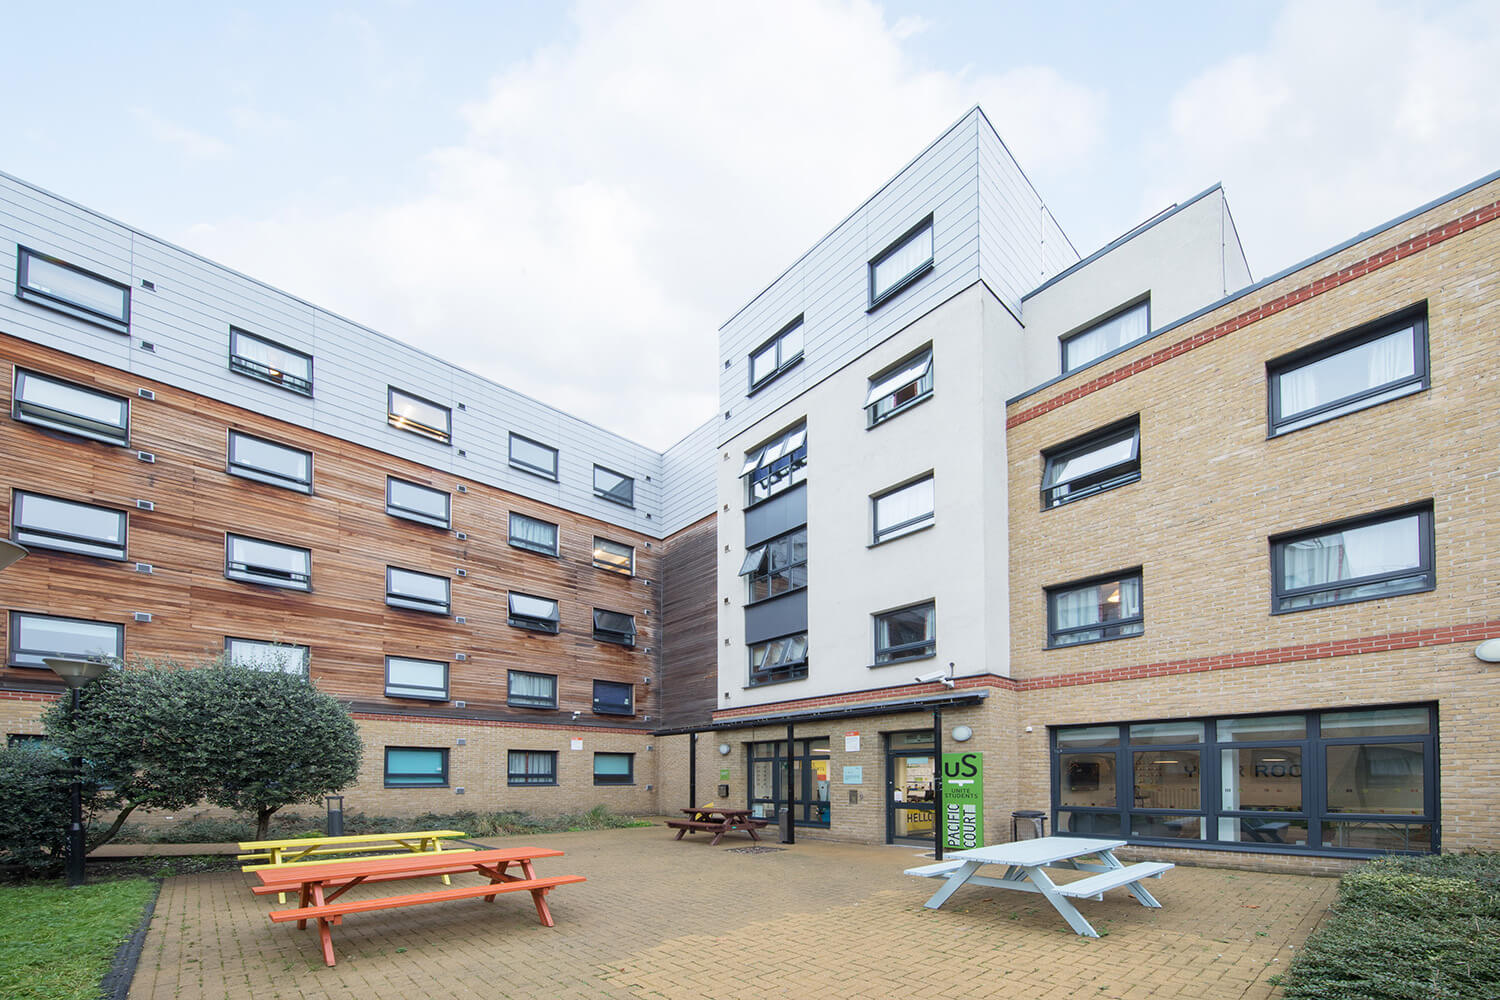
(263,854)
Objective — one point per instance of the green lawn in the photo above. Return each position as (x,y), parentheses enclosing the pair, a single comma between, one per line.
(56,943)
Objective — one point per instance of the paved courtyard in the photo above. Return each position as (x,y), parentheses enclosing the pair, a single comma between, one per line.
(667,920)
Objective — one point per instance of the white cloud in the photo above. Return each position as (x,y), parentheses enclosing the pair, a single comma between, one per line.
(1351,114)
(191,143)
(616,198)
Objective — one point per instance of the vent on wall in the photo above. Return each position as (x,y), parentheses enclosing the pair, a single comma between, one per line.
(145,505)
(461,704)
(146,345)
(461,571)
(145,393)
(461,536)
(460,656)
(144,568)
(460,620)
(148,285)
(143,616)
(461,488)
(145,456)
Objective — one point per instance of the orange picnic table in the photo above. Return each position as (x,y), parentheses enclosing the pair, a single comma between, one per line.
(319,885)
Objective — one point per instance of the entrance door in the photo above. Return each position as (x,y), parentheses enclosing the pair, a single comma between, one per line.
(910,788)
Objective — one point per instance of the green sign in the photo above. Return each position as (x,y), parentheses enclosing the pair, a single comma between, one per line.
(963,800)
(723,774)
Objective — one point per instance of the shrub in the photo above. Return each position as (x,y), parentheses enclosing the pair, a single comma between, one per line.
(34,821)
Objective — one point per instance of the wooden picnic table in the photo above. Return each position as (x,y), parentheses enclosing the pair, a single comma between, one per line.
(314,850)
(318,885)
(718,821)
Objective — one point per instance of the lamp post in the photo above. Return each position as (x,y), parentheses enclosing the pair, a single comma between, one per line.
(76,674)
(10,552)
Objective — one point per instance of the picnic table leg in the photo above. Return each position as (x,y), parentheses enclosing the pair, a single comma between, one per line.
(1137,889)
(951,884)
(538,896)
(324,934)
(498,876)
(680,831)
(275,859)
(302,901)
(1061,904)
(751,831)
(719,835)
(437,845)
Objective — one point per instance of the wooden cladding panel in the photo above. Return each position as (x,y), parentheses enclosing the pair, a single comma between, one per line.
(690,660)
(344,619)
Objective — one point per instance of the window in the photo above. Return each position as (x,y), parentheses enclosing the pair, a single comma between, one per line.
(416,767)
(810,769)
(1098,462)
(270,362)
(532,767)
(775,466)
(612,626)
(408,678)
(72,409)
(776,660)
(533,535)
(614,487)
(901,264)
(256,561)
(82,294)
(533,457)
(906,634)
(528,690)
(1095,610)
(1377,556)
(903,510)
(1371,365)
(614,556)
(36,637)
(614,768)
(269,462)
(272,656)
(538,614)
(907,384)
(1358,781)
(776,567)
(419,416)
(614,698)
(406,588)
(776,355)
(1124,327)
(415,502)
(50,523)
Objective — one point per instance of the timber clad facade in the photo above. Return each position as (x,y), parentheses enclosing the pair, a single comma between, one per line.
(1214,589)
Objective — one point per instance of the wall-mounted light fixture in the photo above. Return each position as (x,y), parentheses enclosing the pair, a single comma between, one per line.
(962,734)
(723,749)
(1488,651)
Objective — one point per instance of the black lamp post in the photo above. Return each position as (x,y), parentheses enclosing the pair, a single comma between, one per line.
(76,674)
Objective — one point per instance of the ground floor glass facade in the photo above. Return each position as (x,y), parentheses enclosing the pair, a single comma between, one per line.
(810,778)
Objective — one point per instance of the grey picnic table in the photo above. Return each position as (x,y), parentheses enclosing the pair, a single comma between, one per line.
(1026,863)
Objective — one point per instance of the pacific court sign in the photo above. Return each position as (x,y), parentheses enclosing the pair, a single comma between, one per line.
(963,800)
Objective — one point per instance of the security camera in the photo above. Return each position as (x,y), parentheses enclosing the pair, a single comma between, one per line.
(928,678)
(577,714)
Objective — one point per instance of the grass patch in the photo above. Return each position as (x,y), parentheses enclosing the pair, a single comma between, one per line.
(1407,928)
(56,943)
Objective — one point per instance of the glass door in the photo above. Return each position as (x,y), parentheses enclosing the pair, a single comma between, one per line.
(911,787)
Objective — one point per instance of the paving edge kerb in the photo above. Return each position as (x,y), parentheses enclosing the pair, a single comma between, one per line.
(116,982)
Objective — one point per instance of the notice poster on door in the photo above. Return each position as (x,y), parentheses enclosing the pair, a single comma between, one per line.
(963,800)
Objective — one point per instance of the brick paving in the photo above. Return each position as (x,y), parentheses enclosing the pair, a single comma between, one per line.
(661,919)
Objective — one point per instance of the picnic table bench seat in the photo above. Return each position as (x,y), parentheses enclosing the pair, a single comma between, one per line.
(692,824)
(488,891)
(934,871)
(1096,885)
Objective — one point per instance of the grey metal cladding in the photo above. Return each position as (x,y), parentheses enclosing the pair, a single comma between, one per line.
(776,516)
(690,486)
(194,303)
(776,617)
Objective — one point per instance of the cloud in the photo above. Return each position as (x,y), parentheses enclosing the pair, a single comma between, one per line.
(193,144)
(1349,115)
(615,198)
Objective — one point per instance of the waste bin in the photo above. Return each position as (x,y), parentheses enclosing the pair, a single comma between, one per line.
(784,821)
(1028,824)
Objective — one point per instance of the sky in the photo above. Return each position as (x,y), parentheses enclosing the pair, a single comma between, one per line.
(570,199)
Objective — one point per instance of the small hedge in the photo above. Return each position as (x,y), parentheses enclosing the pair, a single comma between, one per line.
(1423,928)
(232,830)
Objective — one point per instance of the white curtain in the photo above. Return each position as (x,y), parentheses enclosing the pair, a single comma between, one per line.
(1357,552)
(1348,373)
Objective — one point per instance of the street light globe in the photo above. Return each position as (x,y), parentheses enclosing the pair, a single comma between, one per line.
(76,673)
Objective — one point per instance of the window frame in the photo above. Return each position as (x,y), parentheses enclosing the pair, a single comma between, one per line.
(1101,480)
(1143,301)
(1426,553)
(881,380)
(614,636)
(527,778)
(1330,347)
(608,495)
(118,323)
(395,599)
(259,475)
(610,779)
(783,364)
(411,514)
(442,436)
(406,690)
(532,623)
(14,652)
(305,671)
(911,525)
(19,412)
(762,569)
(629,709)
(1119,576)
(784,472)
(793,670)
(242,365)
(911,277)
(249,576)
(69,543)
(527,467)
(907,652)
(520,701)
(609,567)
(442,781)
(523,545)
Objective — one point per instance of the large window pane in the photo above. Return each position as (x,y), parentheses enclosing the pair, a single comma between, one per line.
(1108,335)
(420,416)
(1377,558)
(533,456)
(409,678)
(34,638)
(416,766)
(73,409)
(1264,727)
(1086,779)
(1079,737)
(614,556)
(415,502)
(405,588)
(269,462)
(69,289)
(532,767)
(270,362)
(1095,611)
(537,614)
(778,566)
(1167,827)
(1384,836)
(615,627)
(273,656)
(775,466)
(781,659)
(777,354)
(50,523)
(898,389)
(1189,731)
(1376,778)
(1273,829)
(1388,362)
(906,634)
(614,768)
(900,262)
(1167,779)
(1088,824)
(614,698)
(256,561)
(1261,778)
(1376,722)
(903,510)
(1107,460)
(528,690)
(613,486)
(533,535)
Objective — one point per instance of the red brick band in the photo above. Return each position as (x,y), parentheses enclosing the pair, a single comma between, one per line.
(1406,248)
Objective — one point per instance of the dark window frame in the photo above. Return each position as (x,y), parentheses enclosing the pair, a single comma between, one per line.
(615,636)
(1426,553)
(1119,576)
(1419,381)
(242,365)
(530,779)
(259,475)
(531,623)
(922,395)
(37,538)
(783,364)
(521,701)
(785,671)
(527,467)
(612,779)
(410,514)
(1100,481)
(609,567)
(906,652)
(249,576)
(609,495)
(20,412)
(1092,325)
(912,525)
(386,772)
(441,694)
(525,546)
(913,276)
(768,802)
(396,600)
(229,641)
(440,435)
(118,323)
(762,570)
(784,472)
(13,636)
(605,708)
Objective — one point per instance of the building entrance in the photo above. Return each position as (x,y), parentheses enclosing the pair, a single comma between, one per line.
(910,789)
